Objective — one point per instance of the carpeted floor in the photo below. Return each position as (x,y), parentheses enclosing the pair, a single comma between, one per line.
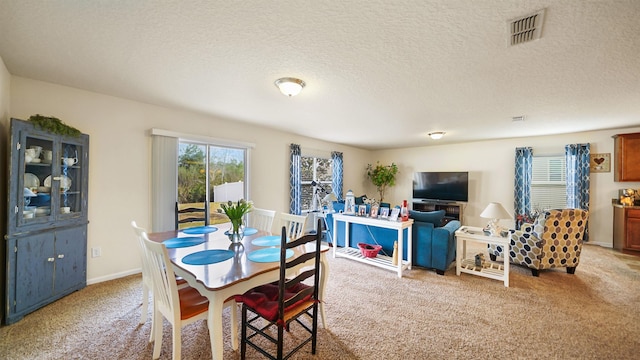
(372,314)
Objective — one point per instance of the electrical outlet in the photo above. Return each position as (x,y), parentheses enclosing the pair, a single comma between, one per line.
(96,252)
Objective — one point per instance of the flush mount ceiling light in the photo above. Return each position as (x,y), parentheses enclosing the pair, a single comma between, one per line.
(436,135)
(290,86)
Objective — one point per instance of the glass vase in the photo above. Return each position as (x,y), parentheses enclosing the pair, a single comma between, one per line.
(236,233)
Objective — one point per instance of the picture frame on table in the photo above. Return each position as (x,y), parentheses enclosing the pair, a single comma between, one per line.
(362,210)
(374,211)
(394,214)
(384,213)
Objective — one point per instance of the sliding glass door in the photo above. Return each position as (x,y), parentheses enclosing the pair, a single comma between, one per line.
(209,174)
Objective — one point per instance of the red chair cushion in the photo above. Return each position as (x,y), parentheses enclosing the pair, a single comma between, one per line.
(263,299)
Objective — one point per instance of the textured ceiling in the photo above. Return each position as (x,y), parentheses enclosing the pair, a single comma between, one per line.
(380,74)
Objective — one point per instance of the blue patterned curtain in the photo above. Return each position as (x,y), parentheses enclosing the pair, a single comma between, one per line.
(336,182)
(295,180)
(522,185)
(578,173)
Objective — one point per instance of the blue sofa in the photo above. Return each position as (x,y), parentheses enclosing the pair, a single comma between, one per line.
(434,246)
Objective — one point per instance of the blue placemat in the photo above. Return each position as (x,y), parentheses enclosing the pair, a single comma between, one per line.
(200,230)
(247,231)
(207,257)
(250,231)
(271,240)
(267,255)
(183,242)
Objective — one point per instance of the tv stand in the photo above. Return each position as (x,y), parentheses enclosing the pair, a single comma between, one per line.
(452,210)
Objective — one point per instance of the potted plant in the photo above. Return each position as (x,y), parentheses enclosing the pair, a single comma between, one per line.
(382,176)
(235,212)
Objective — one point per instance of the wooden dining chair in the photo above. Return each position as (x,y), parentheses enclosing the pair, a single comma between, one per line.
(294,224)
(191,215)
(262,219)
(285,302)
(179,306)
(147,282)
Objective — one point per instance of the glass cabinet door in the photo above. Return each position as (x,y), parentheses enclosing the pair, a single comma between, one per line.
(70,180)
(51,182)
(36,165)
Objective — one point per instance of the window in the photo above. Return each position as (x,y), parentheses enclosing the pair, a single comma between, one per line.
(318,171)
(210,174)
(548,185)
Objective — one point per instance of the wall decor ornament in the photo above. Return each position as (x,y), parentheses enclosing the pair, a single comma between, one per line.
(600,162)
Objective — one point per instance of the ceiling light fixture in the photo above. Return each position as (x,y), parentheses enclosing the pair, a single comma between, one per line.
(290,86)
(436,135)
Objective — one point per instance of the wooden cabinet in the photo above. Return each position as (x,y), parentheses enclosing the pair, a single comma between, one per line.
(453,211)
(46,238)
(626,228)
(627,157)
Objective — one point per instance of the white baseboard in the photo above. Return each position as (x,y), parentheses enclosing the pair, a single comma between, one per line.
(113,276)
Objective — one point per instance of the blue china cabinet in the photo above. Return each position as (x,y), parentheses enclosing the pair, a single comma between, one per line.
(46,237)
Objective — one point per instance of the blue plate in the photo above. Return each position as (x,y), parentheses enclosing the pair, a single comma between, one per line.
(271,240)
(206,257)
(247,231)
(267,255)
(200,230)
(183,242)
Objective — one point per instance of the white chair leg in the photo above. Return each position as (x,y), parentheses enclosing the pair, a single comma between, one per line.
(152,335)
(177,340)
(145,303)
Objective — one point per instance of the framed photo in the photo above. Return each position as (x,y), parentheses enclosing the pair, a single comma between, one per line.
(394,214)
(384,213)
(600,162)
(362,210)
(374,211)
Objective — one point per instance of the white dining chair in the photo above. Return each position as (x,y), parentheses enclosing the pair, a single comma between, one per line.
(262,219)
(294,224)
(147,283)
(179,306)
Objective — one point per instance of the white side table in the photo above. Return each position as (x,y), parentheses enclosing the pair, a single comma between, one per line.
(467,265)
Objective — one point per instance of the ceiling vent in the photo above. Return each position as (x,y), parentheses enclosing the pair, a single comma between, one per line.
(526,28)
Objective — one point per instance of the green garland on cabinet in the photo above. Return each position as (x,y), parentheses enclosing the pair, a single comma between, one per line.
(54,125)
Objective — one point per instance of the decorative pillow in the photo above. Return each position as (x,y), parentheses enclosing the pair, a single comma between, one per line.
(434,217)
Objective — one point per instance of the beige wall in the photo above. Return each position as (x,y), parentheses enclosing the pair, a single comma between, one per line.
(120,163)
(491,167)
(120,148)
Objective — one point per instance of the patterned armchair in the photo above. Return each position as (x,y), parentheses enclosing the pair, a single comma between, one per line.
(553,240)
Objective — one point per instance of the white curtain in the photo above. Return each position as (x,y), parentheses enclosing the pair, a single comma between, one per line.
(164,182)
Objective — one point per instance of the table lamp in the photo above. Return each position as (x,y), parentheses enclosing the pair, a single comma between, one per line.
(495,211)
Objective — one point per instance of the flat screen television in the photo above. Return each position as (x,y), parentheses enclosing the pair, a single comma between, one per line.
(441,186)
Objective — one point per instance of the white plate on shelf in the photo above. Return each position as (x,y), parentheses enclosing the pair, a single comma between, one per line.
(31,181)
(65,182)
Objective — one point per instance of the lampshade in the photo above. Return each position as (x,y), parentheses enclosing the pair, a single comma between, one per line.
(495,211)
(330,197)
(436,135)
(290,86)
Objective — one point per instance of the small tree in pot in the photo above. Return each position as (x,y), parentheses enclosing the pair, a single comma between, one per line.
(382,176)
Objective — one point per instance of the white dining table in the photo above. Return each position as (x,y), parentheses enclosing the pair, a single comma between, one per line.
(221,281)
